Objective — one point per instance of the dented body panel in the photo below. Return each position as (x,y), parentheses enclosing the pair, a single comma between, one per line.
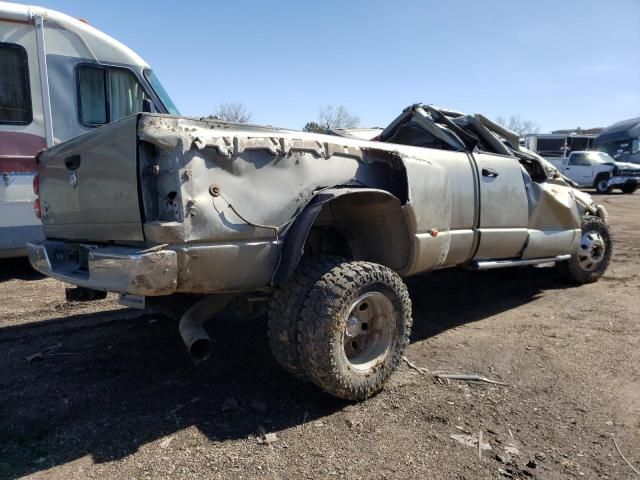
(91,192)
(120,269)
(234,207)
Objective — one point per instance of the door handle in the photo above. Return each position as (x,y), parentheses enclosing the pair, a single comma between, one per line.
(489,172)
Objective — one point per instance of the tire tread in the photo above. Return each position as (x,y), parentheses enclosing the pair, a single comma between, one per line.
(285,309)
(328,298)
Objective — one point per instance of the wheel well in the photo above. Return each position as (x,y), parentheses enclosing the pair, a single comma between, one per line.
(600,176)
(357,223)
(366,226)
(326,240)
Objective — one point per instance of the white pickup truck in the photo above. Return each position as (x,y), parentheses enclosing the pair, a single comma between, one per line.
(598,170)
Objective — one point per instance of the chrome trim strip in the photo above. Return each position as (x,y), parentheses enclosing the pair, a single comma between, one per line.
(44,80)
(492,264)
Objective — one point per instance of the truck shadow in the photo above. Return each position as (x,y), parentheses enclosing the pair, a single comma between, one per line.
(451,298)
(17,269)
(111,382)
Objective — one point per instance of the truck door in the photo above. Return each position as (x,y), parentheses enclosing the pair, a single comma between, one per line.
(580,169)
(503,207)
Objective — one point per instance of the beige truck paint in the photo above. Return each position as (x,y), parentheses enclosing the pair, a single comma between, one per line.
(226,199)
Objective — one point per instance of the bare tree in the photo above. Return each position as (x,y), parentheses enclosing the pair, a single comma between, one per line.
(234,112)
(336,117)
(313,127)
(518,125)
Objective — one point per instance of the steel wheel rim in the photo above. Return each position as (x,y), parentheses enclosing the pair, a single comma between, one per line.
(592,250)
(603,185)
(369,331)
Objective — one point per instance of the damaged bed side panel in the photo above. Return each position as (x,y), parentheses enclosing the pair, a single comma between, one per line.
(260,182)
(243,186)
(225,197)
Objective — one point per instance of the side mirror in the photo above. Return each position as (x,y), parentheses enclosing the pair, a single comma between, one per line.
(148,106)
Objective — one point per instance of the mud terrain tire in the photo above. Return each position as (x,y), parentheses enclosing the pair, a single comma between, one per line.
(286,307)
(354,328)
(591,260)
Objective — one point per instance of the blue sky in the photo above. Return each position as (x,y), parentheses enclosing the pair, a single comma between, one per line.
(562,64)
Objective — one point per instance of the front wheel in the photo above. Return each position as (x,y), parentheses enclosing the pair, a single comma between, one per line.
(602,185)
(591,260)
(354,329)
(629,188)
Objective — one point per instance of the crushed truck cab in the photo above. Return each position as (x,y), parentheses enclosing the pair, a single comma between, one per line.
(155,205)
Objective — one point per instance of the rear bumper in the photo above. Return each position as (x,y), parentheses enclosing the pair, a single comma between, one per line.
(112,269)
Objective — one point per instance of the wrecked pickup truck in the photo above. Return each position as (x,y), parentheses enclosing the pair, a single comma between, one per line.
(322,227)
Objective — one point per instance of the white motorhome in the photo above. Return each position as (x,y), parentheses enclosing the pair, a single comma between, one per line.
(556,147)
(59,78)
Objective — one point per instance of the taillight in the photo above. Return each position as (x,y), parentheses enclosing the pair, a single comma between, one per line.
(36,191)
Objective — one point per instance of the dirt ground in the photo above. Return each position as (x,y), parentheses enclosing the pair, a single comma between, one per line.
(111,392)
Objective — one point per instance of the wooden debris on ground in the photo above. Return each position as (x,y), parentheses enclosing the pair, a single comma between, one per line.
(445,377)
(623,457)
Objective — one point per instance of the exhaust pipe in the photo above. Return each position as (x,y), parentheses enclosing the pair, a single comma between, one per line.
(191,325)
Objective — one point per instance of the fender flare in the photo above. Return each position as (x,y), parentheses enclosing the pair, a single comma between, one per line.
(296,235)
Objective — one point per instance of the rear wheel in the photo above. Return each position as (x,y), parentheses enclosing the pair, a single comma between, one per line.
(354,328)
(285,309)
(591,260)
(629,188)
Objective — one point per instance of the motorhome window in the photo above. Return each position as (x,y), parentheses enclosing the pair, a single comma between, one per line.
(15,94)
(620,147)
(162,94)
(125,94)
(551,147)
(578,143)
(107,94)
(92,95)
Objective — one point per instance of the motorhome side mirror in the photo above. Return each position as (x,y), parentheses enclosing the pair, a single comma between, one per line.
(148,106)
